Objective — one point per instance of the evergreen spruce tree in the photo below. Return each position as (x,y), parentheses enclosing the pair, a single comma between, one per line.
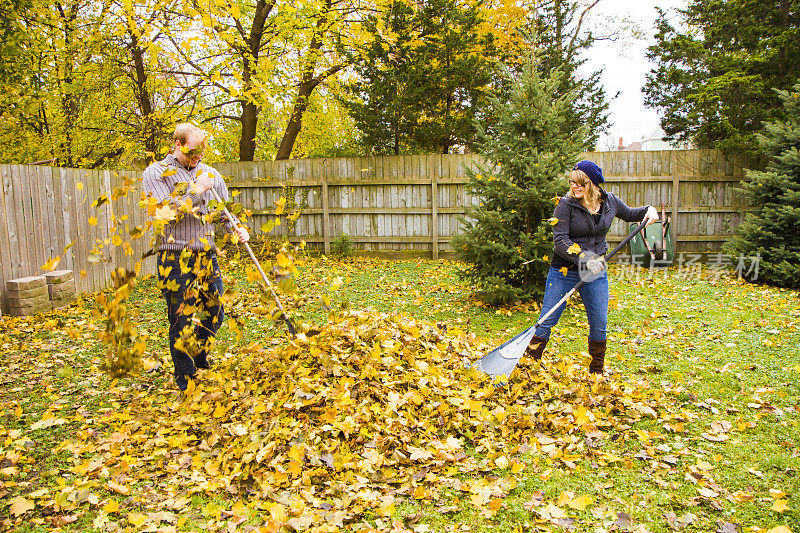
(421,92)
(772,228)
(507,241)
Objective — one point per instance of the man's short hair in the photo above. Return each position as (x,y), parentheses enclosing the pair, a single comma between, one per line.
(185,130)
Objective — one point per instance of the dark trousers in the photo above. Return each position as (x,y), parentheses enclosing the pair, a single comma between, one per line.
(191,284)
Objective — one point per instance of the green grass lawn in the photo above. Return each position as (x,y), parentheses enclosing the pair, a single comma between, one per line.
(695,429)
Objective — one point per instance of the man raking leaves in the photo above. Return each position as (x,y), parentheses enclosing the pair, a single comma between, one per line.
(582,220)
(188,272)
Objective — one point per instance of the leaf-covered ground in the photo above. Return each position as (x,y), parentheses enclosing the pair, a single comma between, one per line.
(369,421)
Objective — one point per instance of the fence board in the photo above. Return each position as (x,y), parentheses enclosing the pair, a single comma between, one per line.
(40,234)
(53,213)
(20,230)
(78,235)
(6,272)
(65,191)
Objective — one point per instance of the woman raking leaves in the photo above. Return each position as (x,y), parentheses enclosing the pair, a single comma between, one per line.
(582,218)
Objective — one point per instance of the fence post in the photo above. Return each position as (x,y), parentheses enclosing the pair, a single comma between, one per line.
(676,183)
(326,226)
(434,217)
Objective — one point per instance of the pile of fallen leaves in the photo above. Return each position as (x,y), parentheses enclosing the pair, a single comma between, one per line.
(340,421)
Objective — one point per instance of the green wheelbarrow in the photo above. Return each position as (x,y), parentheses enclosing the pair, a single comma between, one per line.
(652,246)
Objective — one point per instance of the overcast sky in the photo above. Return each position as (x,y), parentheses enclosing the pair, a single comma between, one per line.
(625,65)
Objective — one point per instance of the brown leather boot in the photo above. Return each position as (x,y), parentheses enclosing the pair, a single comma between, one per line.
(536,348)
(597,349)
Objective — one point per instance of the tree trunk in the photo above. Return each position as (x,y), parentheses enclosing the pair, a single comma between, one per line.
(247,141)
(396,118)
(150,130)
(446,139)
(295,124)
(69,104)
(308,82)
(250,110)
(296,119)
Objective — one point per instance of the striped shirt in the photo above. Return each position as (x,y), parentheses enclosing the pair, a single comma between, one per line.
(189,230)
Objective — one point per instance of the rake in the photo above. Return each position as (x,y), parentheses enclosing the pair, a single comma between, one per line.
(284,316)
(502,360)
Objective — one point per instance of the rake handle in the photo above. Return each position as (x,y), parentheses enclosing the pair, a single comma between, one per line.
(578,285)
(264,277)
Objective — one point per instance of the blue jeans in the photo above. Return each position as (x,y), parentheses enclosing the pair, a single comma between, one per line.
(594,295)
(191,284)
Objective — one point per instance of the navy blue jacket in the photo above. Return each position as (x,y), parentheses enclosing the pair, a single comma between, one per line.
(577,226)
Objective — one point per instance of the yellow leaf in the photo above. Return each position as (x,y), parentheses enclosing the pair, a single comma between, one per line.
(574,249)
(92,221)
(496,504)
(565,497)
(581,502)
(238,508)
(420,493)
(705,492)
(212,510)
(136,519)
(517,467)
(165,213)
(296,453)
(780,506)
(279,206)
(582,415)
(553,221)
(51,264)
(419,454)
(268,226)
(79,185)
(283,261)
(554,511)
(278,513)
(116,487)
(111,507)
(478,500)
(780,529)
(20,506)
(563,271)
(170,172)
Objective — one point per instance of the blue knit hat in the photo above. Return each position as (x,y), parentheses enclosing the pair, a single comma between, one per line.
(594,172)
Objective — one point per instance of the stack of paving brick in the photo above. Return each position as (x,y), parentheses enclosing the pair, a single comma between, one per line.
(61,284)
(28,296)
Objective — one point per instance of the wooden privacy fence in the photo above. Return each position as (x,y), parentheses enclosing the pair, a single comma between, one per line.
(412,204)
(386,205)
(43,210)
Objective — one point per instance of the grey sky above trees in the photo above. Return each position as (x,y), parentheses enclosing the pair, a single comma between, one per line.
(625,64)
